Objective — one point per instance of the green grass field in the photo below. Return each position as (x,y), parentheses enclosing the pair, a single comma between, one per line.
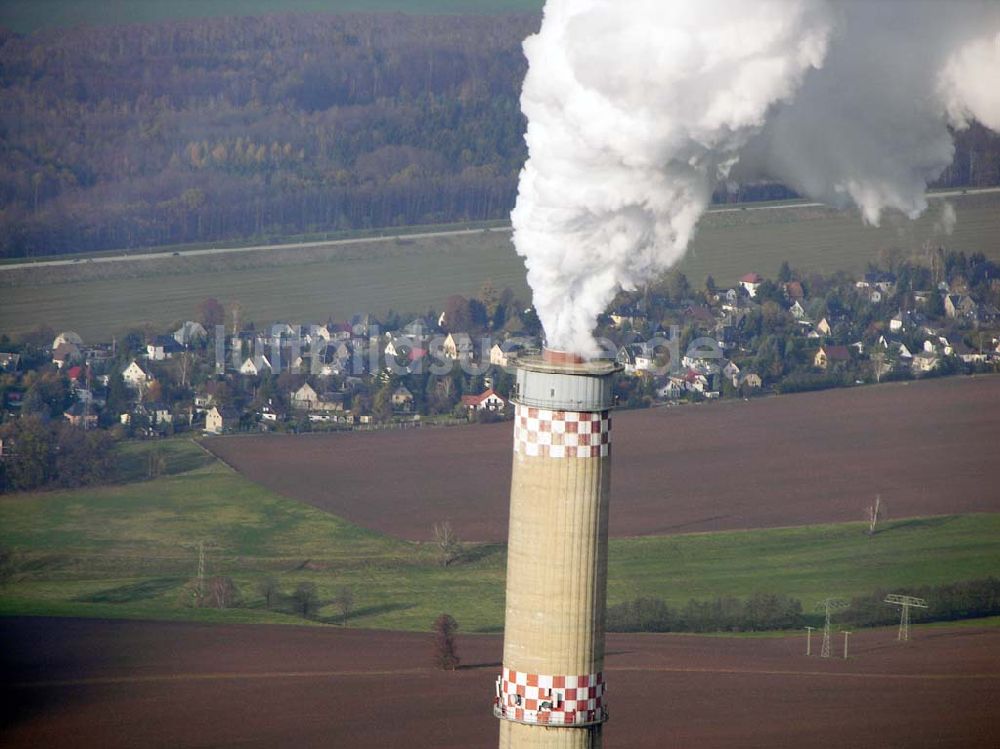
(129,551)
(412,275)
(30,15)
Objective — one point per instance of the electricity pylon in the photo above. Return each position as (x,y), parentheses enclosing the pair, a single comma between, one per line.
(905,603)
(829,606)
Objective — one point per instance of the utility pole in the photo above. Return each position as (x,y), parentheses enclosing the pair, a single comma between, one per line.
(905,603)
(846,635)
(809,631)
(201,570)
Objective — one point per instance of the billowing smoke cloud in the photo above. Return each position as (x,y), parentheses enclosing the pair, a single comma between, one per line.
(638,108)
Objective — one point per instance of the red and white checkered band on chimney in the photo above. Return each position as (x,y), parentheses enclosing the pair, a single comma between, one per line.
(550,700)
(539,432)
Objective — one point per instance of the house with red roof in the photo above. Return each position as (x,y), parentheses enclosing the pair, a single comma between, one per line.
(485,401)
(828,355)
(751,282)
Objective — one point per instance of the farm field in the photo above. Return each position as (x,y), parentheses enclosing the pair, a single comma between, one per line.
(302,285)
(29,15)
(926,447)
(115,684)
(131,551)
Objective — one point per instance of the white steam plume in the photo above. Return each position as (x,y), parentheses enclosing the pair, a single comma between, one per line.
(637,108)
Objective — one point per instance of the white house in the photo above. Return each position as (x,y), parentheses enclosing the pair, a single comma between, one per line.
(219,420)
(672,390)
(797,310)
(751,282)
(190,332)
(162,347)
(925,362)
(135,376)
(254,367)
(457,346)
(305,397)
(485,401)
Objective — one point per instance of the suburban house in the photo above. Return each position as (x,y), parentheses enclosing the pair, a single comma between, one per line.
(135,376)
(190,333)
(219,420)
(404,346)
(66,353)
(969,355)
(794,291)
(162,347)
(498,357)
(671,390)
(752,380)
(457,346)
(636,358)
(81,415)
(828,355)
(881,280)
(485,401)
(67,336)
(500,353)
(402,399)
(751,282)
(305,398)
(732,373)
(824,328)
(797,310)
(925,361)
(630,316)
(699,382)
(957,306)
(254,366)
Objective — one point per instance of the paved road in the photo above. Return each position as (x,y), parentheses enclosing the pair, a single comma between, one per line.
(423,235)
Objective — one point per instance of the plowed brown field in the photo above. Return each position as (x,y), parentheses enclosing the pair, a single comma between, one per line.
(143,684)
(927,447)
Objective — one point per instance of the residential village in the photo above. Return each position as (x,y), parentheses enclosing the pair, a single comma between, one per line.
(214,375)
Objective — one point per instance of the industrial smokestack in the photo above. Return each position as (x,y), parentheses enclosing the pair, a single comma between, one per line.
(551,691)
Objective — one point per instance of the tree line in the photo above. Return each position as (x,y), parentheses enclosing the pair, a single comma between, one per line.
(760,612)
(258,128)
(40,454)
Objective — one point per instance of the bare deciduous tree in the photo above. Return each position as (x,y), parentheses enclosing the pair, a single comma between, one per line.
(345,602)
(269,591)
(874,513)
(448,543)
(157,462)
(223,591)
(306,599)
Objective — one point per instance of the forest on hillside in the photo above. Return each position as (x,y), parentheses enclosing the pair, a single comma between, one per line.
(264,127)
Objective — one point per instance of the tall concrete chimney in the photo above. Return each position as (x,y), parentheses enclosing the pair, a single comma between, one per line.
(551,691)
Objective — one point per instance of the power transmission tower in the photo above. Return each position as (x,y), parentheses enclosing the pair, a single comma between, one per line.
(846,635)
(809,632)
(829,606)
(905,603)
